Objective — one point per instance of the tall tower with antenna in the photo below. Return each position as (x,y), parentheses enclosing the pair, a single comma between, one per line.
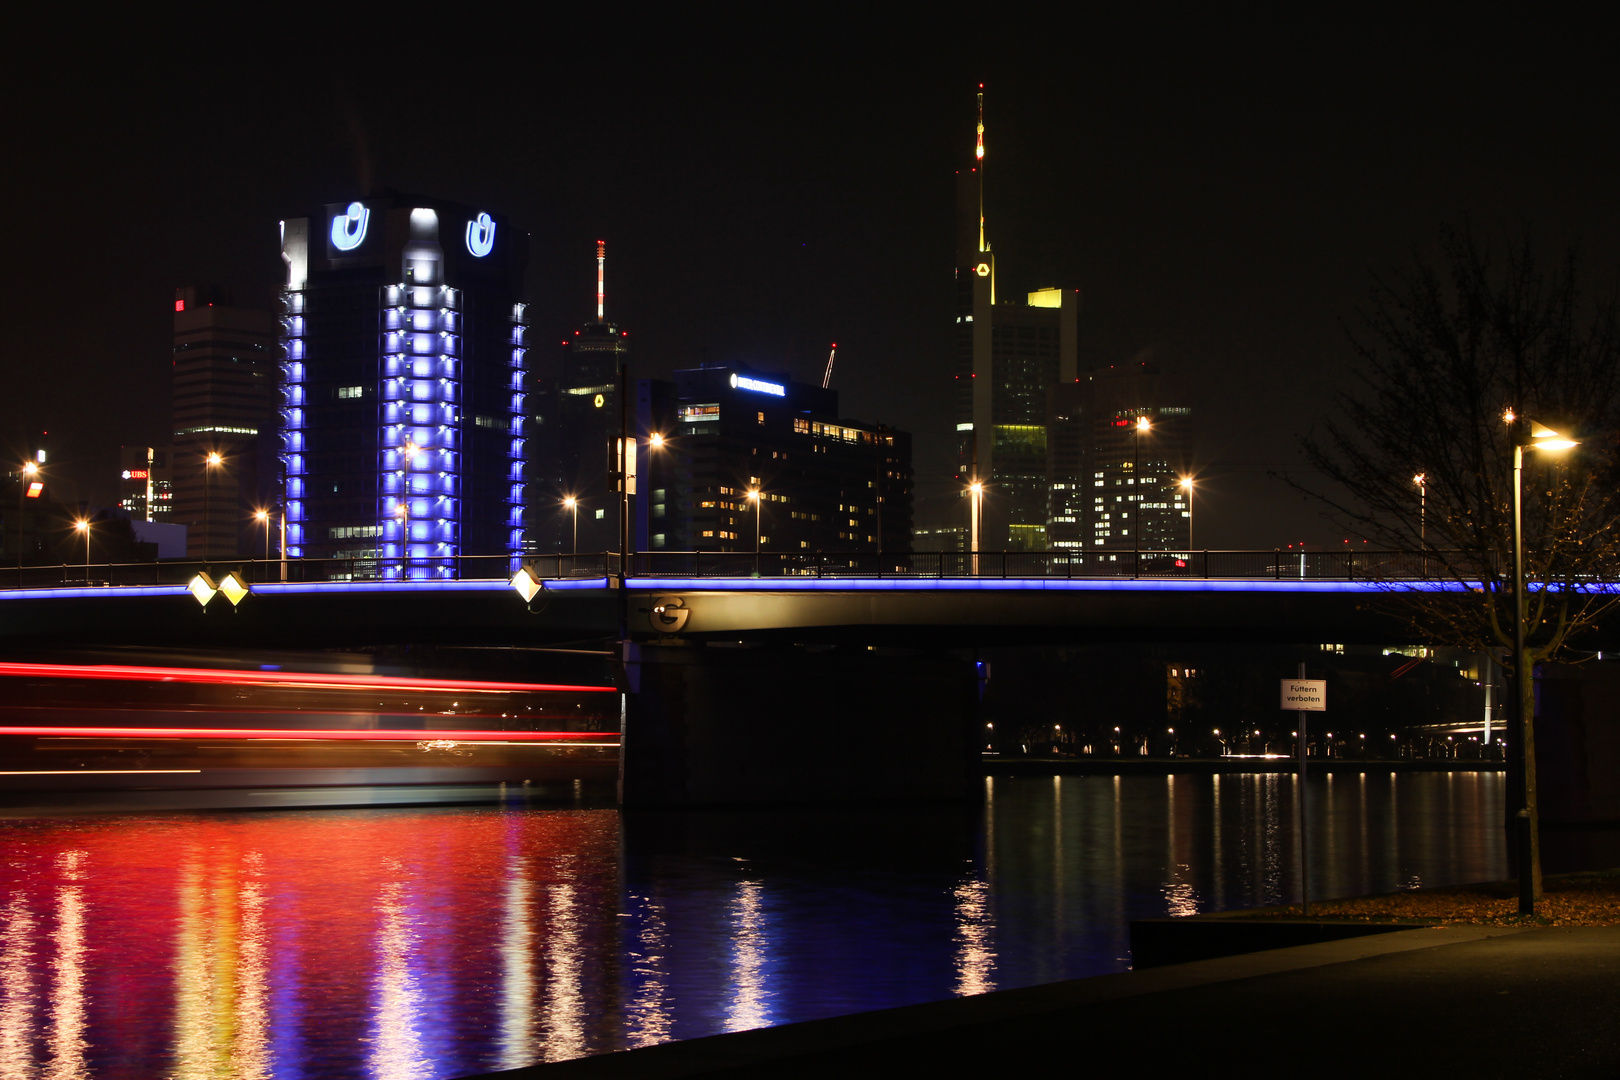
(1008,357)
(578,434)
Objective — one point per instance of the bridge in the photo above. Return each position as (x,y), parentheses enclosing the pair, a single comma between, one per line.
(949,600)
(742,678)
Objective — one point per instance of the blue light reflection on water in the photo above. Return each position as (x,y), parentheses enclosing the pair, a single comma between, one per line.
(412,943)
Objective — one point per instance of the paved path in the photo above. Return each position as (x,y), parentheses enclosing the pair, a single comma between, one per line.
(1457,1001)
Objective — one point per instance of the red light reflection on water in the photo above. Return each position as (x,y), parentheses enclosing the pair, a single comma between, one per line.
(384,943)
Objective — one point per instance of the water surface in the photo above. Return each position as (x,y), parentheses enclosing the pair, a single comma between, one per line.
(440,942)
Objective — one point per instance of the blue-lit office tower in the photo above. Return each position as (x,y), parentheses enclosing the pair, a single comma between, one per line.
(403,414)
(1008,357)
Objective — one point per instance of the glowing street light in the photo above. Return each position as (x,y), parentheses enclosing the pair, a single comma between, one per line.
(263,518)
(82,525)
(25,488)
(656,441)
(757,500)
(976,489)
(1186,485)
(1422,482)
(571,504)
(1546,440)
(1143,428)
(213,461)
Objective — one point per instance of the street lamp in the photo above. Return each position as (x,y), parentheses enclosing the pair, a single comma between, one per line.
(30,469)
(1422,482)
(1142,429)
(977,491)
(755,497)
(84,526)
(1548,441)
(213,461)
(1186,483)
(263,518)
(572,505)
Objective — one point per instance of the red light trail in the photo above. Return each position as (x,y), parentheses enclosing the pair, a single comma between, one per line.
(231,677)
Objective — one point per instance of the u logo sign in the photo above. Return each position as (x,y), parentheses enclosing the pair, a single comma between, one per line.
(481,236)
(349,230)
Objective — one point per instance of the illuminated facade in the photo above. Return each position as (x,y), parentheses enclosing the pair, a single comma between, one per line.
(1008,357)
(145,483)
(1132,474)
(826,484)
(579,414)
(403,406)
(225,405)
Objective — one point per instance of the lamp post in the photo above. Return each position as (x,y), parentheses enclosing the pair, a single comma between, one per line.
(1548,441)
(1186,483)
(1142,428)
(572,505)
(84,526)
(403,512)
(1422,482)
(757,500)
(263,518)
(213,461)
(30,469)
(976,490)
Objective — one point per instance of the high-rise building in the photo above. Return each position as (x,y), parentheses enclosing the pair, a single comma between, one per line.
(145,483)
(403,414)
(224,403)
(1139,433)
(824,483)
(579,414)
(1008,356)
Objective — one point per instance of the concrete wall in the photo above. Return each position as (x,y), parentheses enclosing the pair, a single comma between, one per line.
(713,725)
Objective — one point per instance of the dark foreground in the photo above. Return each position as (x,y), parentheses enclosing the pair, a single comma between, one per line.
(1442,1001)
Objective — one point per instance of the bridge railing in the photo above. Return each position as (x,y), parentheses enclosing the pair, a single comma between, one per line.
(1248,565)
(1279,565)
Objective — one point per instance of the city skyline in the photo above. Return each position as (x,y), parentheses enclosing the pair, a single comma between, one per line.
(1221,204)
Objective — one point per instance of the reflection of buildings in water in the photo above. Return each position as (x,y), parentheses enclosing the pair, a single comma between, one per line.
(748,994)
(16,988)
(517,1038)
(396,1045)
(221,1015)
(565,1009)
(1181,898)
(975,951)
(66,1042)
(648,1020)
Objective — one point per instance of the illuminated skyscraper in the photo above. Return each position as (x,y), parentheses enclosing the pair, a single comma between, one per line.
(403,412)
(1008,357)
(579,413)
(1132,471)
(224,404)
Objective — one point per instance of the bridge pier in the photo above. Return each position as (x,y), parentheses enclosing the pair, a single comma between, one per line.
(711,725)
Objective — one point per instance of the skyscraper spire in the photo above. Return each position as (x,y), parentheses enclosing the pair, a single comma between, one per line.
(978,154)
(601,262)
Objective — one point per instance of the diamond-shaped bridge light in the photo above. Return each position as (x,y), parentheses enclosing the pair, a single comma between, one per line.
(203,588)
(234,588)
(526,584)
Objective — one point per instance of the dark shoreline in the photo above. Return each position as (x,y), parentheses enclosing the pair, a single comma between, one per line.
(1123,766)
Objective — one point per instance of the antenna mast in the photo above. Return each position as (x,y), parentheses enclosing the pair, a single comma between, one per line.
(601,261)
(826,380)
(978,154)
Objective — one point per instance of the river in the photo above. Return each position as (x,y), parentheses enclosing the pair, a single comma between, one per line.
(411,942)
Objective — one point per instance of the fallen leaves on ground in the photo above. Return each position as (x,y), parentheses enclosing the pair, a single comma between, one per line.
(1569,900)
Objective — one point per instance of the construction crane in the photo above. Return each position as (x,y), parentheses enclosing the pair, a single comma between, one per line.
(826,380)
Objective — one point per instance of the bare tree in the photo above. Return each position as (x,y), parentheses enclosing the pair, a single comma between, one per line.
(1457,357)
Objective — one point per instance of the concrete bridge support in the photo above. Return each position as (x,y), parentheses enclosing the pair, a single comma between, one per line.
(711,725)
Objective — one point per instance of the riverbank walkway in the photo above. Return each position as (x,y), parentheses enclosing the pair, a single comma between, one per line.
(1475,1001)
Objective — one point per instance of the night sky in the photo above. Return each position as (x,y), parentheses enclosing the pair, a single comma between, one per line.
(1220,191)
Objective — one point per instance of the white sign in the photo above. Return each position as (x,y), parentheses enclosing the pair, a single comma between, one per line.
(759,386)
(481,236)
(349,230)
(1304,695)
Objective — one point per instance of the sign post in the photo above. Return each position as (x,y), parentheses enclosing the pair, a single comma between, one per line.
(1303,695)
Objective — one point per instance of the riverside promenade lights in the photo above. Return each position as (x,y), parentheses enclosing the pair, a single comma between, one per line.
(571,504)
(83,525)
(1143,428)
(1549,441)
(976,490)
